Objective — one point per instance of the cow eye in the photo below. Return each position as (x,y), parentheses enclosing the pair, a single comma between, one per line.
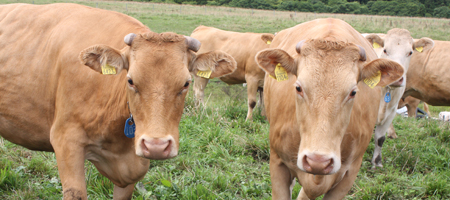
(353,93)
(385,51)
(410,53)
(186,84)
(299,89)
(130,81)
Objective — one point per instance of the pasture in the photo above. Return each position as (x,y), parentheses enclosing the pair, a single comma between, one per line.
(221,155)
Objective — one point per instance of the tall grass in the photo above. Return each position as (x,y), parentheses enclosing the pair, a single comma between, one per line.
(221,155)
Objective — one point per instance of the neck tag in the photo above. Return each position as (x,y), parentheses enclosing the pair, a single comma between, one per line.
(130,127)
(387,97)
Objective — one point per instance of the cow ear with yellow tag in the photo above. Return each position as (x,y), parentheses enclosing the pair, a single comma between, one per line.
(277,63)
(213,64)
(375,40)
(423,44)
(381,72)
(267,38)
(103,59)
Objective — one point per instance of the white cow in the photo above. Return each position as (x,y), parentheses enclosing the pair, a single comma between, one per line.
(397,45)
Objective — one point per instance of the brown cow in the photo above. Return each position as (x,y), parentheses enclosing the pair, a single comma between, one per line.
(51,102)
(428,77)
(243,47)
(322,117)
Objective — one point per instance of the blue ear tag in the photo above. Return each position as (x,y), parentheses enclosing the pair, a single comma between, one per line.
(387,97)
(130,127)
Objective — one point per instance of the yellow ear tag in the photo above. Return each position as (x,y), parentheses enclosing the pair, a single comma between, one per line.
(269,42)
(108,69)
(374,80)
(280,73)
(419,49)
(376,45)
(204,74)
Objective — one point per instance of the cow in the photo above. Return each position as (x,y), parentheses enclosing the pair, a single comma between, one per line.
(320,110)
(428,78)
(243,47)
(59,94)
(399,46)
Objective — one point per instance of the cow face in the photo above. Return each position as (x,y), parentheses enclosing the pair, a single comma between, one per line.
(398,45)
(158,77)
(327,75)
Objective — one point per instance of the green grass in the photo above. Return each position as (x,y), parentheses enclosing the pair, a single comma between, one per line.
(224,157)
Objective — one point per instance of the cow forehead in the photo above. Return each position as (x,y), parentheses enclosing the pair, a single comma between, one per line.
(398,37)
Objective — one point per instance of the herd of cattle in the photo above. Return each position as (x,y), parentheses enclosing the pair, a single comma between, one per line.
(326,87)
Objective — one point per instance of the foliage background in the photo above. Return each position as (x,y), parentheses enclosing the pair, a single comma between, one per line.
(412,8)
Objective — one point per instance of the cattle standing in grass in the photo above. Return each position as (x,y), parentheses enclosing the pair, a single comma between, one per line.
(321,118)
(50,101)
(397,45)
(243,47)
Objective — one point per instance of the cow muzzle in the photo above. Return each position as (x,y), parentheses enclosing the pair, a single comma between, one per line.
(319,164)
(156,148)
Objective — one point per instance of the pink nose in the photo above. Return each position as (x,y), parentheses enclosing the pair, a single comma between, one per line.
(157,149)
(318,164)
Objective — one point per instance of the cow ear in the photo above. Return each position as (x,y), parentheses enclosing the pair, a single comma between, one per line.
(217,63)
(381,72)
(423,44)
(268,59)
(267,38)
(375,40)
(104,59)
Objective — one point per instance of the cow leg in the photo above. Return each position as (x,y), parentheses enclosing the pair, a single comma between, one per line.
(70,159)
(425,108)
(341,189)
(252,89)
(199,88)
(261,101)
(280,177)
(391,132)
(380,132)
(123,193)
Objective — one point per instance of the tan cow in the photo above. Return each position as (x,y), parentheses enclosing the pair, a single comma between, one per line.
(428,77)
(322,117)
(396,45)
(243,47)
(50,101)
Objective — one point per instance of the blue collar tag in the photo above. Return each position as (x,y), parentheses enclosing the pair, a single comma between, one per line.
(130,127)
(387,97)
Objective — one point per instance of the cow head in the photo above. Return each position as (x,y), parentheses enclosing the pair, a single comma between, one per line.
(398,45)
(158,77)
(327,76)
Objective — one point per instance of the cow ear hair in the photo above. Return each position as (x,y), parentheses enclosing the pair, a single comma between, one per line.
(219,62)
(424,42)
(101,55)
(390,71)
(268,59)
(374,38)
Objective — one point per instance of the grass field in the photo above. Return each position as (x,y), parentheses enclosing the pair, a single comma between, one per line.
(224,157)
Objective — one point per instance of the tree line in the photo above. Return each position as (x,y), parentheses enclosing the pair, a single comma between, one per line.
(412,8)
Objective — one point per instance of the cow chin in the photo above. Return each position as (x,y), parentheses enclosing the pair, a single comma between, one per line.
(318,163)
(156,148)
